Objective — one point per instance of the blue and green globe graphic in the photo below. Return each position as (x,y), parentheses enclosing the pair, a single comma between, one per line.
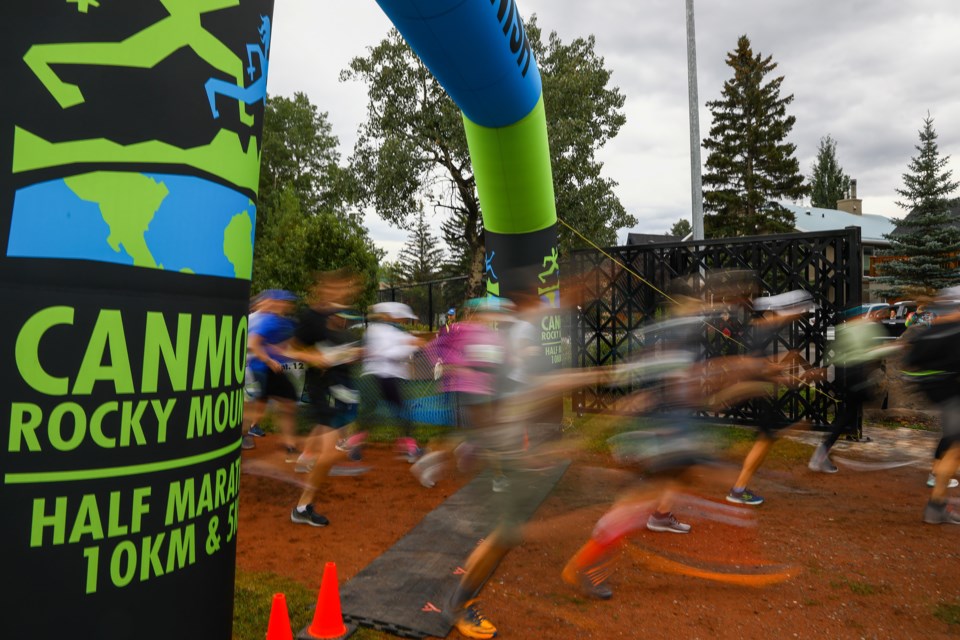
(160,221)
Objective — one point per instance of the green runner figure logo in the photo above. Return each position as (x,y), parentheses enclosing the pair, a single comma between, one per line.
(552,261)
(143,50)
(551,293)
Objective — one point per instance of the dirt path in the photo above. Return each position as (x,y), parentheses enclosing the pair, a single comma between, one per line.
(866,566)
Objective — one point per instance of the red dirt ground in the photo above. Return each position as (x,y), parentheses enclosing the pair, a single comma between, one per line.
(867,565)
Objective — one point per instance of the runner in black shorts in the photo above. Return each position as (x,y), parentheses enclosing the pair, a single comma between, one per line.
(323,343)
(774,314)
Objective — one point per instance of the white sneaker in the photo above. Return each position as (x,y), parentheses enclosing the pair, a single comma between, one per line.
(428,468)
(304,463)
(932,480)
(667,523)
(820,461)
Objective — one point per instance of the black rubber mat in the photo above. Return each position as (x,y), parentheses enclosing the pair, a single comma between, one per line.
(405,590)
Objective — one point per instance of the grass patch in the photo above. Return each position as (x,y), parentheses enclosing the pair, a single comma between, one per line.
(791,451)
(730,437)
(253,597)
(947,612)
(595,430)
(903,423)
(422,432)
(858,587)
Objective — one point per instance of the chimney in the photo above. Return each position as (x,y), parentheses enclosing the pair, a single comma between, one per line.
(851,204)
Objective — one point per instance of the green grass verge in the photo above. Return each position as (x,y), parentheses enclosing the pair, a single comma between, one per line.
(859,587)
(253,597)
(948,612)
(903,423)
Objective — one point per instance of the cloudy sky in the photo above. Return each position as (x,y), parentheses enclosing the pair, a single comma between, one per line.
(864,71)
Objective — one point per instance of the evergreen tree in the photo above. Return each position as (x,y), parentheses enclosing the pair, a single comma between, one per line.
(422,257)
(681,228)
(828,182)
(926,242)
(750,164)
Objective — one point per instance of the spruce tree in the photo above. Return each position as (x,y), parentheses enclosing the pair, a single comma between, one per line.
(421,258)
(750,165)
(925,244)
(828,182)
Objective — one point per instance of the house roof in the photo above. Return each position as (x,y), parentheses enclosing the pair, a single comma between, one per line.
(872,227)
(650,238)
(954,213)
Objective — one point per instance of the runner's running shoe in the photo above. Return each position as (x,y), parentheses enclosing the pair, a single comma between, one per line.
(820,461)
(473,624)
(932,480)
(744,496)
(939,513)
(667,523)
(309,516)
(592,581)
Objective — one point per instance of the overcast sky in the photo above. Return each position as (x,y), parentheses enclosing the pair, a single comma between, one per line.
(864,71)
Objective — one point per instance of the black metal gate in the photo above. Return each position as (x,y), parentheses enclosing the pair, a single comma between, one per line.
(621,289)
(429,300)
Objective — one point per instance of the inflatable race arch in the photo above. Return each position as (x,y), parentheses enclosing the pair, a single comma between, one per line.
(129,162)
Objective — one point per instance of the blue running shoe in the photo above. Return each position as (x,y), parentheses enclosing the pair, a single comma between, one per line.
(744,496)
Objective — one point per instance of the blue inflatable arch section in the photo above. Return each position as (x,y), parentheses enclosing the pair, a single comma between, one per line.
(479,52)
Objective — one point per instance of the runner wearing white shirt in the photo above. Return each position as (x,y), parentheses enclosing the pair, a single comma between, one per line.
(387,352)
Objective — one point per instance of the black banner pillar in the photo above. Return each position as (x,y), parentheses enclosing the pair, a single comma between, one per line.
(129,160)
(525,263)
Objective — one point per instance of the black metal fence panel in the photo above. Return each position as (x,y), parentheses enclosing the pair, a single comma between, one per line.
(430,301)
(620,290)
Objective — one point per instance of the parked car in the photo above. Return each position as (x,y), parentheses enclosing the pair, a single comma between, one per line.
(896,322)
(877,311)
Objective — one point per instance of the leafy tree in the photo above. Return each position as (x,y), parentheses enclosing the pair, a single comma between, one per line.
(300,150)
(421,258)
(303,223)
(292,247)
(750,164)
(413,147)
(583,113)
(926,242)
(828,182)
(681,228)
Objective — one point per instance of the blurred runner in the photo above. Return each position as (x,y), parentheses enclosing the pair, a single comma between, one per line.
(387,352)
(323,343)
(774,314)
(268,335)
(933,357)
(859,347)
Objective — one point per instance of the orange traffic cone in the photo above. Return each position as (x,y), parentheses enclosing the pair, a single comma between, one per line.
(279,626)
(328,619)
